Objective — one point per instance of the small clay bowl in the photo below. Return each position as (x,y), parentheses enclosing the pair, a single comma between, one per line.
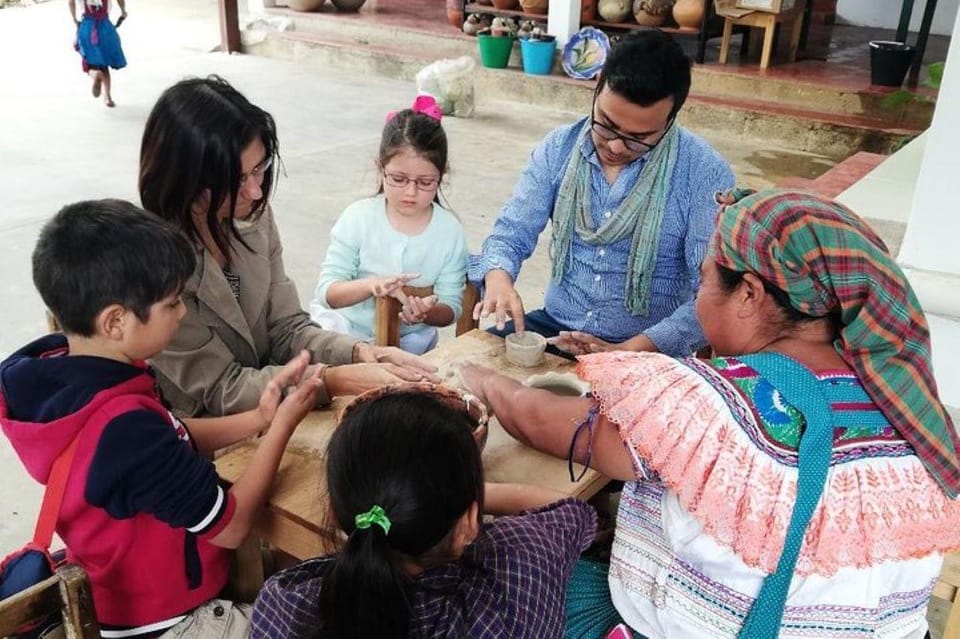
(455,398)
(563,384)
(525,349)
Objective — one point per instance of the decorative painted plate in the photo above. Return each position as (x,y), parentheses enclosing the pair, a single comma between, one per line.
(585,53)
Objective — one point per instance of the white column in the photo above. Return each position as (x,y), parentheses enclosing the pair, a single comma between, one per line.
(563,19)
(931,246)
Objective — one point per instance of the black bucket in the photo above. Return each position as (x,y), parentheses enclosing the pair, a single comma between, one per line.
(889,62)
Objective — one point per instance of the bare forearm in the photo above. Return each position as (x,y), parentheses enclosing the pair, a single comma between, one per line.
(214,433)
(348,293)
(510,499)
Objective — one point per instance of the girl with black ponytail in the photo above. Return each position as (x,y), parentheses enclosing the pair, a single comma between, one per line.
(405,483)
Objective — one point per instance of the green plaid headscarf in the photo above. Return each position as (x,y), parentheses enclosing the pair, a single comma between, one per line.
(826,259)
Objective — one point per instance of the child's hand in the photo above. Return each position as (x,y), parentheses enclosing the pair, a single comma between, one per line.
(301,401)
(390,284)
(416,309)
(290,375)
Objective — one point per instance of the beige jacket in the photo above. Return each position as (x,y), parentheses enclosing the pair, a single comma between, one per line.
(226,351)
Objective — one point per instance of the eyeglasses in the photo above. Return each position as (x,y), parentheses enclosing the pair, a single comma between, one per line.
(257,172)
(631,143)
(585,426)
(399,181)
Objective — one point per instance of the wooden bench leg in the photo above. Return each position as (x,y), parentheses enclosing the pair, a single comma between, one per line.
(795,36)
(769,31)
(725,42)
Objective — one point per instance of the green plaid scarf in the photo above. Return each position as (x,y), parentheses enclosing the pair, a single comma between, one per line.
(640,214)
(826,258)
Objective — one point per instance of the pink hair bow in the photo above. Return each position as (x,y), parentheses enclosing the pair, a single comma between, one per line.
(424,104)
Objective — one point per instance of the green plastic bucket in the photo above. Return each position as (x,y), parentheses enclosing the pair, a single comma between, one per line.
(494,50)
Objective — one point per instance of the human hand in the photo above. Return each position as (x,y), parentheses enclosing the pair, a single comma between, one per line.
(415,309)
(472,379)
(417,368)
(389,284)
(501,299)
(578,343)
(292,375)
(353,379)
(301,401)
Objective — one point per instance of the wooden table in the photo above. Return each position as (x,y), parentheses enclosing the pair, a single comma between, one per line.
(296,520)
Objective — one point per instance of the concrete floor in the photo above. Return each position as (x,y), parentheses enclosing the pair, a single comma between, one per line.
(59,145)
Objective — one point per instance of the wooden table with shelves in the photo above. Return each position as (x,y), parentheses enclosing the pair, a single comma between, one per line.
(296,520)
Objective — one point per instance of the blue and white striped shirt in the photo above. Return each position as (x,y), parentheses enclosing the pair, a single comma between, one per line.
(590,297)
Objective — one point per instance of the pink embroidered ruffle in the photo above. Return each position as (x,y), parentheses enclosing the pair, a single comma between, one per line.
(872,510)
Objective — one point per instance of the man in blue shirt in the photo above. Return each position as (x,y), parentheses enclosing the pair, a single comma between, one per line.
(631,197)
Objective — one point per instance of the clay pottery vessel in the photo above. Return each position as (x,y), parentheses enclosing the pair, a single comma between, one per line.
(472,25)
(455,398)
(688,14)
(305,5)
(588,11)
(506,4)
(455,13)
(651,13)
(348,5)
(613,10)
(527,349)
(535,7)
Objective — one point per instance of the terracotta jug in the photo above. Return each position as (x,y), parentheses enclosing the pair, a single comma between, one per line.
(455,12)
(506,4)
(588,11)
(538,7)
(688,14)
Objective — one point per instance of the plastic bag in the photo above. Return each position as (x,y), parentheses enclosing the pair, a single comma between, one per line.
(450,82)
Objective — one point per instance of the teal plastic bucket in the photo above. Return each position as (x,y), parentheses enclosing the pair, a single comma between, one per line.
(538,56)
(494,50)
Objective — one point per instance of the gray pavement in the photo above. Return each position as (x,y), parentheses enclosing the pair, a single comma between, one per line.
(59,145)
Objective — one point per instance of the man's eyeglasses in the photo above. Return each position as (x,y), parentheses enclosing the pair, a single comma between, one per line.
(257,172)
(399,181)
(631,143)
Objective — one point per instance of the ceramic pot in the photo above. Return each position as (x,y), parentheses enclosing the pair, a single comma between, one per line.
(455,13)
(506,4)
(348,5)
(536,7)
(688,14)
(305,5)
(488,3)
(526,350)
(645,18)
(588,11)
(613,10)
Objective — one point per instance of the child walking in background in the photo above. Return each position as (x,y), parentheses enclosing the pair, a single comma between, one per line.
(405,483)
(98,43)
(400,237)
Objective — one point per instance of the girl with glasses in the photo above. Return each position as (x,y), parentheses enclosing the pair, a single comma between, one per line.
(400,237)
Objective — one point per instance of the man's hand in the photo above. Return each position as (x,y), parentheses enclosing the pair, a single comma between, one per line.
(389,285)
(501,299)
(578,343)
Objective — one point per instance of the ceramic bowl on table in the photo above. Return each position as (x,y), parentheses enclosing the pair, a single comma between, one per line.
(525,349)
(457,399)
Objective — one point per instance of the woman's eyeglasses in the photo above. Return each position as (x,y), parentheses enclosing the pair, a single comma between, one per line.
(399,181)
(257,172)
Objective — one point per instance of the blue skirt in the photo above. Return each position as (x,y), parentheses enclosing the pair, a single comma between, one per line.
(590,611)
(99,44)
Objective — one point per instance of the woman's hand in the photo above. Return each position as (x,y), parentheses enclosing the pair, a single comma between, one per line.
(417,368)
(353,379)
(389,285)
(415,309)
(577,343)
(473,378)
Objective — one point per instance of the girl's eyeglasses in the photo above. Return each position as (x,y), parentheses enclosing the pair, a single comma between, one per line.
(398,181)
(257,172)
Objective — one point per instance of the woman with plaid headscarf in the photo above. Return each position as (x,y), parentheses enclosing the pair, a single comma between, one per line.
(802,483)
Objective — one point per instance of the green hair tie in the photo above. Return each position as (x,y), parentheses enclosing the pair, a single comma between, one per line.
(375,515)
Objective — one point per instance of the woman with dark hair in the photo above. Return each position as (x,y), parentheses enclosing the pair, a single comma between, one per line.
(803,482)
(207,163)
(405,484)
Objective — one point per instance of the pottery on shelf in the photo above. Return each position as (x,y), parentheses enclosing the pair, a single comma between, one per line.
(455,13)
(506,4)
(305,5)
(348,5)
(588,10)
(472,24)
(652,13)
(688,14)
(614,10)
(536,7)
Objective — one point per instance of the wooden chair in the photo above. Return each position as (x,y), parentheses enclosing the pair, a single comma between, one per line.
(948,589)
(768,22)
(67,592)
(387,315)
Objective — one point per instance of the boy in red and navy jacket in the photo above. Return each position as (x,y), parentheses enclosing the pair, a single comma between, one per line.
(144,512)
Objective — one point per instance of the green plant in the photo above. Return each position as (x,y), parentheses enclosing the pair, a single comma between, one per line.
(901,97)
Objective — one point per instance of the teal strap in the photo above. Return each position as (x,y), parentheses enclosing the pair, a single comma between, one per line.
(802,389)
